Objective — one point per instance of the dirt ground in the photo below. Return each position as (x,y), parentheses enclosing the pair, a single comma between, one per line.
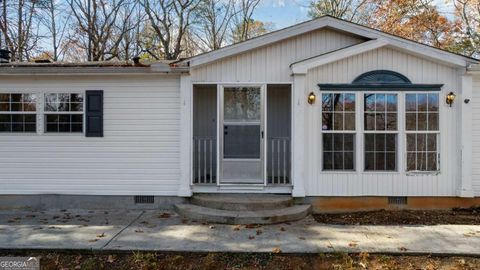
(213,261)
(470,216)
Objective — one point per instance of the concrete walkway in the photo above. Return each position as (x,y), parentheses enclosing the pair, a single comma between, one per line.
(165,231)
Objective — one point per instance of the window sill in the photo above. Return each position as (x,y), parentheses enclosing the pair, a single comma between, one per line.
(432,173)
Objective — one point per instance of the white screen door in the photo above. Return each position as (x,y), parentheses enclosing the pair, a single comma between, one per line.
(242,135)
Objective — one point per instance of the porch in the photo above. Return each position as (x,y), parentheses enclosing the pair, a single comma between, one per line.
(241,137)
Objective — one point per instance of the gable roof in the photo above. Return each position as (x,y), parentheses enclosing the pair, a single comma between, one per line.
(336,24)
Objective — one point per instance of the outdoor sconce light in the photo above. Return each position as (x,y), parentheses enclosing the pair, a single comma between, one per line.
(450,98)
(311,98)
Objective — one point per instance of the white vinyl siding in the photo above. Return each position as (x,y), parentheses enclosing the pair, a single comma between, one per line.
(476,134)
(272,63)
(138,155)
(398,183)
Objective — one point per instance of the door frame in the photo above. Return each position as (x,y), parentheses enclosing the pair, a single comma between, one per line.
(263,125)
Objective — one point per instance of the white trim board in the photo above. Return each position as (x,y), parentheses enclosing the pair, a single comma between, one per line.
(336,24)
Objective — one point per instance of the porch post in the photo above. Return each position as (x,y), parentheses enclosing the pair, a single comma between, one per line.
(298,135)
(184,188)
(466,189)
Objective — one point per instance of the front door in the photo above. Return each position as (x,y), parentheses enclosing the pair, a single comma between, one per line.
(242,135)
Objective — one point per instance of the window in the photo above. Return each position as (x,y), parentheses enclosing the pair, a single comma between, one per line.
(338,126)
(18,113)
(422,128)
(64,112)
(380,127)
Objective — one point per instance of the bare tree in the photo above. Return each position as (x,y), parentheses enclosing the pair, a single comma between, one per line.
(214,22)
(100,30)
(468,12)
(350,10)
(244,19)
(16,25)
(170,20)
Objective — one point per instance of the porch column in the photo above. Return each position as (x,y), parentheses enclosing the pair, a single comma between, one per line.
(466,189)
(298,135)
(184,188)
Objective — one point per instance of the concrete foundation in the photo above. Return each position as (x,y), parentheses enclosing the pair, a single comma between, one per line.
(45,202)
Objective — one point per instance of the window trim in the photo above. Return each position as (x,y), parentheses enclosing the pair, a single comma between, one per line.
(37,103)
(44,113)
(355,132)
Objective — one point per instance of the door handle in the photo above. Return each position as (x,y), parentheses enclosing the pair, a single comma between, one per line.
(262,134)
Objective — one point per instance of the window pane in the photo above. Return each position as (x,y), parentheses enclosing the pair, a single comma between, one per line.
(380,121)
(327,142)
(5,98)
(338,142)
(390,162)
(338,102)
(338,121)
(391,103)
(369,142)
(411,161)
(380,161)
(15,107)
(391,121)
(63,123)
(391,142)
(16,98)
(349,161)
(242,141)
(327,121)
(328,160)
(369,102)
(242,103)
(348,142)
(411,121)
(18,123)
(76,98)
(421,161)
(349,121)
(349,102)
(327,102)
(4,107)
(432,162)
(369,121)
(433,121)
(338,160)
(421,142)
(421,121)
(411,142)
(5,127)
(5,118)
(380,102)
(411,102)
(379,142)
(422,102)
(432,142)
(433,102)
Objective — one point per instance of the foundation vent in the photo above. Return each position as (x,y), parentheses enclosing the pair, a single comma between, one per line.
(144,199)
(397,200)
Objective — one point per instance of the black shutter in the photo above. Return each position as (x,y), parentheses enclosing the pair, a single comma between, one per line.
(94,113)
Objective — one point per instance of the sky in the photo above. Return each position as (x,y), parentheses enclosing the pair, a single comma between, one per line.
(283,13)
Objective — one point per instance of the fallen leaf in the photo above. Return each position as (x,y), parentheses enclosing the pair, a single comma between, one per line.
(302,238)
(259,232)
(138,231)
(93,240)
(282,229)
(212,227)
(277,250)
(251,237)
(111,259)
(101,235)
(352,244)
(252,226)
(236,228)
(165,215)
(402,249)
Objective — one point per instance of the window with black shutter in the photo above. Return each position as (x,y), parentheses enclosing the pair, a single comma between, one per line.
(94,113)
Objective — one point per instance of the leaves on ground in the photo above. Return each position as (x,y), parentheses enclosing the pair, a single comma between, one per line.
(165,215)
(101,235)
(138,231)
(402,249)
(276,250)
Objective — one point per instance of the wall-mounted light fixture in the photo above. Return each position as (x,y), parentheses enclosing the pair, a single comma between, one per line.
(311,98)
(450,98)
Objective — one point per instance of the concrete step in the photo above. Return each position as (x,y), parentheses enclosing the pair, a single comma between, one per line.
(271,216)
(242,202)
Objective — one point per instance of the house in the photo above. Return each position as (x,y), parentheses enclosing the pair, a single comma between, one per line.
(343,116)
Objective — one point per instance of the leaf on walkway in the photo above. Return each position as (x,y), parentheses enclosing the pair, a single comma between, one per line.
(251,237)
(402,249)
(236,228)
(111,259)
(282,229)
(277,250)
(101,235)
(138,231)
(93,240)
(165,215)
